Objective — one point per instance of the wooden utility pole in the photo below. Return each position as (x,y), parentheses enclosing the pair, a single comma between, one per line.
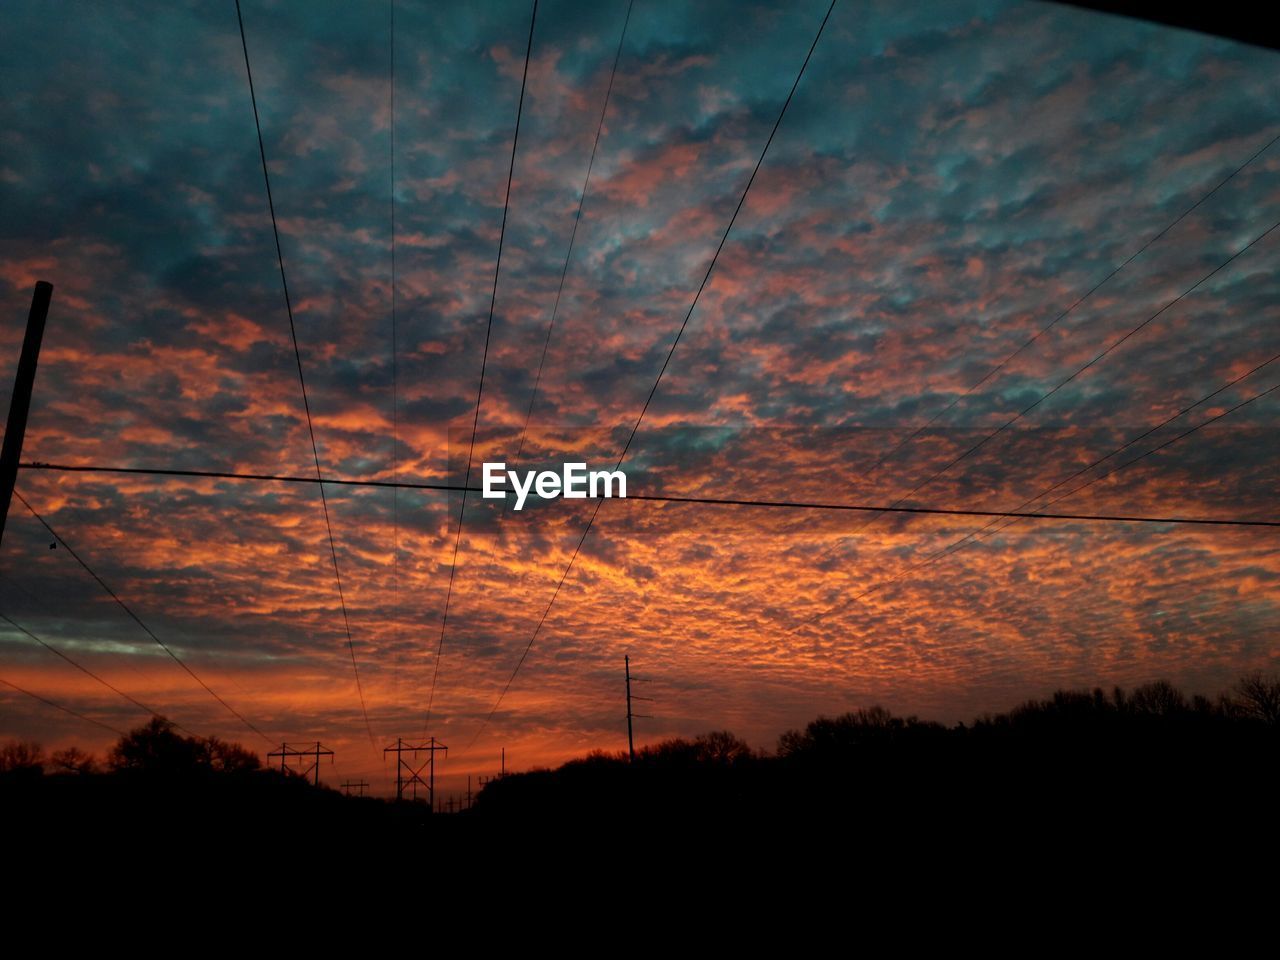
(631,737)
(20,403)
(482,779)
(349,785)
(631,740)
(431,777)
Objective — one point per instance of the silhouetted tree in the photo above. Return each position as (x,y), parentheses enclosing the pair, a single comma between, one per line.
(1158,699)
(74,760)
(718,748)
(22,757)
(722,747)
(836,736)
(227,757)
(1118,698)
(1259,698)
(675,751)
(157,748)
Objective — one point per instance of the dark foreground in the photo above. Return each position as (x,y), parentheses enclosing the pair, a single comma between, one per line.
(1081,778)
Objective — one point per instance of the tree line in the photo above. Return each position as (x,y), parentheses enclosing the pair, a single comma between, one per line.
(155,747)
(1076,750)
(1251,706)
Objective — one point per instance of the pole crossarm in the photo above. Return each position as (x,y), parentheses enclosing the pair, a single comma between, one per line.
(289,753)
(409,771)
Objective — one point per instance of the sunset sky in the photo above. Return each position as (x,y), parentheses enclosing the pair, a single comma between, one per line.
(948,179)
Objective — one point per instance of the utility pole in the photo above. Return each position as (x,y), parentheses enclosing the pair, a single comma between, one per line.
(631,740)
(290,753)
(631,737)
(349,785)
(482,779)
(408,775)
(20,403)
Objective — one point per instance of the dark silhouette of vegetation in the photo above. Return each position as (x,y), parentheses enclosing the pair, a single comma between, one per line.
(74,760)
(1076,762)
(158,749)
(158,784)
(1258,698)
(1073,767)
(21,758)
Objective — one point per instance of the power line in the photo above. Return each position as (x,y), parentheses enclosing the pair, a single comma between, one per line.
(231,475)
(136,619)
(662,498)
(958,544)
(395,398)
(674,343)
(972,536)
(1069,310)
(1014,518)
(64,709)
(1146,433)
(1079,370)
(484,360)
(1098,462)
(949,512)
(86,671)
(297,354)
(577,219)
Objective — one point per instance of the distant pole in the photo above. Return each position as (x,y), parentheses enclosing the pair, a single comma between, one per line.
(314,752)
(410,773)
(631,739)
(20,403)
(504,761)
(631,714)
(431,789)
